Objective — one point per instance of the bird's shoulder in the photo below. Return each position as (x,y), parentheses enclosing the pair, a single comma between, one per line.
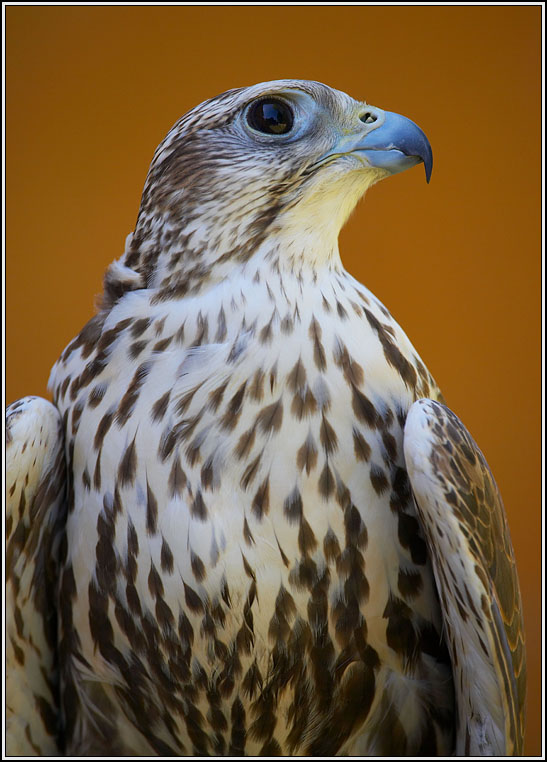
(35,514)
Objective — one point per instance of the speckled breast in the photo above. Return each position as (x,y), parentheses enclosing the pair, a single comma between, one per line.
(245,571)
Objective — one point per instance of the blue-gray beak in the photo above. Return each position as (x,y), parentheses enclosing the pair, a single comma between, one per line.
(397,144)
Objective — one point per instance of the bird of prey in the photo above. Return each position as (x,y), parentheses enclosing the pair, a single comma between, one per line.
(248,524)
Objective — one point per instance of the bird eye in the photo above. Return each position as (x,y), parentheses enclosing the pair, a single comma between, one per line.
(270,116)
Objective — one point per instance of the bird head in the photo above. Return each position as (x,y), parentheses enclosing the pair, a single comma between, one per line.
(279,165)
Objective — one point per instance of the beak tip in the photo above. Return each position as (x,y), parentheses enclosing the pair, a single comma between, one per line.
(428,166)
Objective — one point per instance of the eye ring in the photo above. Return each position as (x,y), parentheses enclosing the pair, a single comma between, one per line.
(270,116)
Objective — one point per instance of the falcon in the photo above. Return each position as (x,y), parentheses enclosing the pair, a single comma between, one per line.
(248,524)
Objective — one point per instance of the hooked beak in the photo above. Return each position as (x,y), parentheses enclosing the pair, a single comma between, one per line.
(392,142)
(396,144)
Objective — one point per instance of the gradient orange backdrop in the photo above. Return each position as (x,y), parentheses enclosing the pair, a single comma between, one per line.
(92,90)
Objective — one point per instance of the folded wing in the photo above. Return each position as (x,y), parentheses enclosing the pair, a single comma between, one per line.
(35,516)
(462,514)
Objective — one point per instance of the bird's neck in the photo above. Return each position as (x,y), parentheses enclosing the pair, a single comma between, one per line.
(278,283)
(187,246)
(304,260)
(193,262)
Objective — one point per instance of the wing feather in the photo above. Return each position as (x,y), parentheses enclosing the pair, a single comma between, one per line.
(35,515)
(466,530)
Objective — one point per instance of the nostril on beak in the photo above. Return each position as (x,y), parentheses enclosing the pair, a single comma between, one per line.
(368,117)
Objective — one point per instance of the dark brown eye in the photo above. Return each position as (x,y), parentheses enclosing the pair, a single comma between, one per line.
(272,117)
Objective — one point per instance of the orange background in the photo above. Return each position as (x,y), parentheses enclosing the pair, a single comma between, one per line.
(92,90)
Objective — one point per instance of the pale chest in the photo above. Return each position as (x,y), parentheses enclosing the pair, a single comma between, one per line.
(235,496)
(267,449)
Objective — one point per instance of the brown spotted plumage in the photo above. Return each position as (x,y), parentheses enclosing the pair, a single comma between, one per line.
(267,541)
(462,512)
(35,518)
